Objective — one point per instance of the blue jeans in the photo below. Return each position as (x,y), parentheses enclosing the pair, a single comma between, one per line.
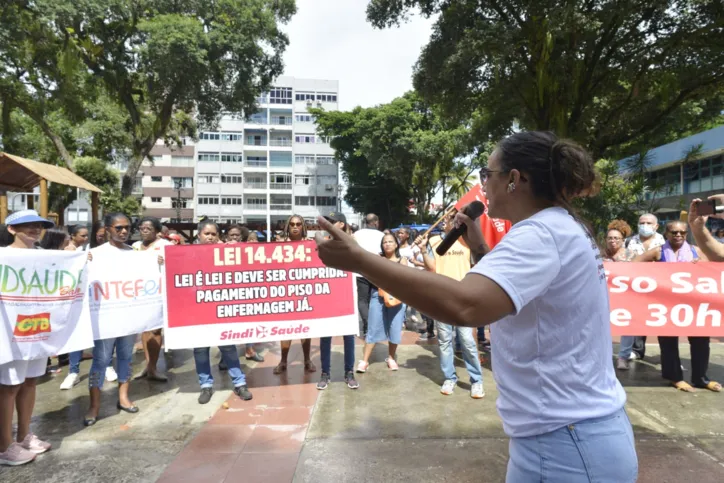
(469,348)
(325,348)
(626,346)
(600,450)
(229,355)
(481,334)
(74,362)
(103,355)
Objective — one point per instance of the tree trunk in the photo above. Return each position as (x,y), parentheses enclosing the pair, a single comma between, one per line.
(129,177)
(49,133)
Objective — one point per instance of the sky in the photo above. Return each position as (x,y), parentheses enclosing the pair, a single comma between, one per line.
(331,39)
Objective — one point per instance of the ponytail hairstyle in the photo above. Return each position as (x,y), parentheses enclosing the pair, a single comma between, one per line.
(558,170)
(206,223)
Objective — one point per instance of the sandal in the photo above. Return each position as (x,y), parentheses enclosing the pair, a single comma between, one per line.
(282,367)
(310,367)
(712,386)
(683,386)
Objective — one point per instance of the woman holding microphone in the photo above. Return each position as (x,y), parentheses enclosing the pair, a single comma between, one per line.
(543,291)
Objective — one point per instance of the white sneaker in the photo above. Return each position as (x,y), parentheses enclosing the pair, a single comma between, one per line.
(70,380)
(476,391)
(111,375)
(633,356)
(16,455)
(34,444)
(447,387)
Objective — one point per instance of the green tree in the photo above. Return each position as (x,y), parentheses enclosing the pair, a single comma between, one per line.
(611,74)
(98,173)
(404,142)
(164,60)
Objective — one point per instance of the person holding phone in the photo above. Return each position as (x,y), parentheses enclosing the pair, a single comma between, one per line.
(699,212)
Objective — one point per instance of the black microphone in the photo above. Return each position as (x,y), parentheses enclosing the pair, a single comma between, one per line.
(473,210)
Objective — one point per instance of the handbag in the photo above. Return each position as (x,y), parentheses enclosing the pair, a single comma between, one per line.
(389,300)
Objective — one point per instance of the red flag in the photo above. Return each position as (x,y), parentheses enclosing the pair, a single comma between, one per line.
(494,229)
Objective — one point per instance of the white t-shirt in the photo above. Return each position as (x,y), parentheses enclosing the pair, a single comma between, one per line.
(158,244)
(552,359)
(369,239)
(108,247)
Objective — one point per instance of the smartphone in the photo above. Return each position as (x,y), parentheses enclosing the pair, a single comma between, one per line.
(709,207)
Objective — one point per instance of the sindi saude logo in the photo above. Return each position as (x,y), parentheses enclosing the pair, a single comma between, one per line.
(29,325)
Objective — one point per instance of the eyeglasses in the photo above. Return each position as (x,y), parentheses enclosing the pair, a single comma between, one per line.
(484,173)
(297,225)
(122,228)
(679,232)
(614,238)
(146,228)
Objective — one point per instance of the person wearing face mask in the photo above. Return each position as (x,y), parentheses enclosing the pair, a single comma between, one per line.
(646,239)
(18,378)
(677,249)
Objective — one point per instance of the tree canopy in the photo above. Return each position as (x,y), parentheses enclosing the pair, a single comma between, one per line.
(615,75)
(397,152)
(162,61)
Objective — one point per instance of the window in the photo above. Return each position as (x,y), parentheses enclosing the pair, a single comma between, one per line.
(231,200)
(305,96)
(322,139)
(232,157)
(183,161)
(208,200)
(307,159)
(208,156)
(280,95)
(155,199)
(325,160)
(231,179)
(256,202)
(176,203)
(209,178)
(156,179)
(281,178)
(231,136)
(210,136)
(301,179)
(182,182)
(304,118)
(258,118)
(304,200)
(327,97)
(326,201)
(304,138)
(256,140)
(257,161)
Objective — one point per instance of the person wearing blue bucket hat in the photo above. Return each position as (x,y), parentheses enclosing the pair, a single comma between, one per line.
(18,378)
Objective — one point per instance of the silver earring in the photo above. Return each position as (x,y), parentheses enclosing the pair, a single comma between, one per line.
(511,187)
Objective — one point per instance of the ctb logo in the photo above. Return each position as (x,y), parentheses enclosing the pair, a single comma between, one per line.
(28,325)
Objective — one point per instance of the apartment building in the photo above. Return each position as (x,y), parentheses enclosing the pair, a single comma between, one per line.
(262,169)
(167,183)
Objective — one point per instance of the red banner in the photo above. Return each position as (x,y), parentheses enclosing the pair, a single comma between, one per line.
(682,299)
(249,292)
(493,229)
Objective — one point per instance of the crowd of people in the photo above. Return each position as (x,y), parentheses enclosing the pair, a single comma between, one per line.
(402,282)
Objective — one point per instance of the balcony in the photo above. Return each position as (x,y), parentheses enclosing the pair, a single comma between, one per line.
(255,185)
(283,143)
(253,163)
(256,120)
(281,207)
(281,163)
(280,186)
(281,121)
(255,142)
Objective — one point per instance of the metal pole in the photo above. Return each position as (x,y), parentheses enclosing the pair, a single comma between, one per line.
(77,206)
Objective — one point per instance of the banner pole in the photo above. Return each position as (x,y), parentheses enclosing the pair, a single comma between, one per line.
(438,221)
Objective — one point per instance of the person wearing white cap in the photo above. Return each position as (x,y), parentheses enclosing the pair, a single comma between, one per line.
(18,378)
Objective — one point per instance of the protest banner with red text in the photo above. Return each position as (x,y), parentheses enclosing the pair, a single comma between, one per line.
(676,299)
(254,292)
(494,229)
(41,301)
(125,292)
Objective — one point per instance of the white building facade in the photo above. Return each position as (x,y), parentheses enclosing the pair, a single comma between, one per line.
(263,169)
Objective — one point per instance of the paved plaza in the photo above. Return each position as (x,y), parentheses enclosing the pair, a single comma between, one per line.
(396,428)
